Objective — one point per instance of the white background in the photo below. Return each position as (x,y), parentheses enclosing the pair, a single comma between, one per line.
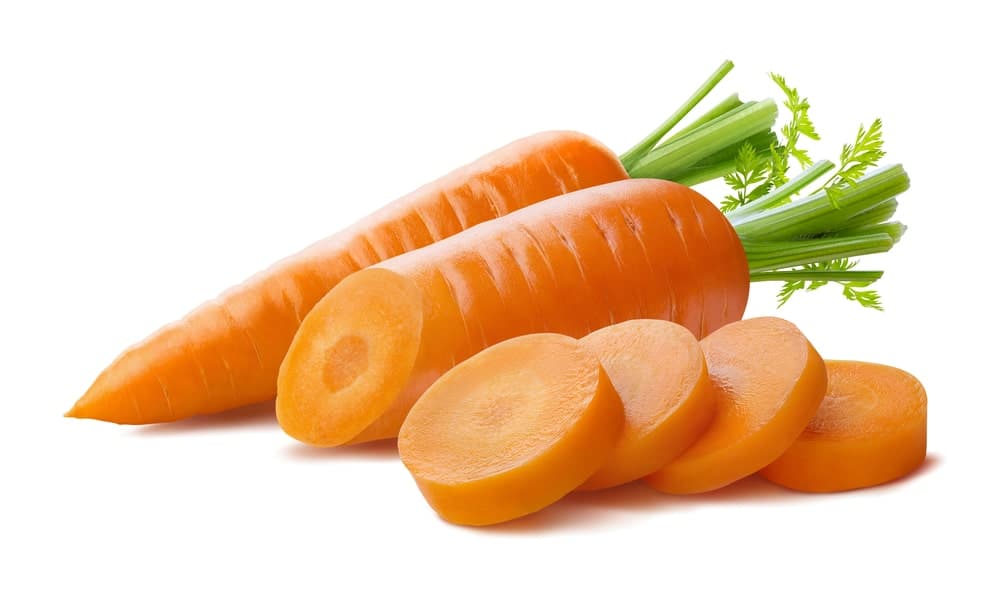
(153,153)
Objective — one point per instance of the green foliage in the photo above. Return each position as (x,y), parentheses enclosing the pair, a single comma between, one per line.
(756,174)
(799,126)
(851,289)
(749,181)
(856,159)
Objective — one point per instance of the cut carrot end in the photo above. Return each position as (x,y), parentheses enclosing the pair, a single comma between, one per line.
(350,358)
(870,429)
(511,430)
(658,370)
(769,382)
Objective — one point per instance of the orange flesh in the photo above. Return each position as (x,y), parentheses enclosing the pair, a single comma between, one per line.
(511,430)
(659,372)
(226,353)
(870,429)
(363,352)
(569,265)
(769,382)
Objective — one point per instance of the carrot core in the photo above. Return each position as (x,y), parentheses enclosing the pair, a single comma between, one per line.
(345,361)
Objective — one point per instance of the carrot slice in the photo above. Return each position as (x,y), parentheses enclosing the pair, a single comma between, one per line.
(367,349)
(769,382)
(659,372)
(870,429)
(511,430)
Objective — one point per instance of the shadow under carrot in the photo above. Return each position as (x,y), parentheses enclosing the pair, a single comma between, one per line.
(246,417)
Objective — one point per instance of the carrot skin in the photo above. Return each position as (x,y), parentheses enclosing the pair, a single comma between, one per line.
(227,352)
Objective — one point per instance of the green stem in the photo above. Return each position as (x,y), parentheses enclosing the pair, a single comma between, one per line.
(846,276)
(690,130)
(723,162)
(894,230)
(815,214)
(672,159)
(782,193)
(702,173)
(723,107)
(775,255)
(878,214)
(631,156)
(761,142)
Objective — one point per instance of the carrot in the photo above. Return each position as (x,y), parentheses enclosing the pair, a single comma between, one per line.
(769,382)
(511,430)
(573,264)
(870,429)
(659,372)
(226,353)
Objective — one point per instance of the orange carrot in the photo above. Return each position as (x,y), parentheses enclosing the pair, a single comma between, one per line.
(870,429)
(659,372)
(226,353)
(511,430)
(570,265)
(769,382)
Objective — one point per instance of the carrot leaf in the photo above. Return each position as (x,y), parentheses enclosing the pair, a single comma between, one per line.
(799,126)
(749,181)
(819,274)
(855,160)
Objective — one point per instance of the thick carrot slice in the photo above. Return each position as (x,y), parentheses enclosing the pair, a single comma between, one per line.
(659,372)
(769,382)
(511,430)
(569,265)
(870,429)
(226,353)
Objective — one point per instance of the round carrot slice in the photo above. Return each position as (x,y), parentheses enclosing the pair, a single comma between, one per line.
(511,430)
(659,372)
(870,429)
(358,355)
(769,381)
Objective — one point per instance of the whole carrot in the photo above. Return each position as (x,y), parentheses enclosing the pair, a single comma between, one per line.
(226,353)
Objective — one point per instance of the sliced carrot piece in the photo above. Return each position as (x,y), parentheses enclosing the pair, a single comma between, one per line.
(870,429)
(511,430)
(769,382)
(659,372)
(365,351)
